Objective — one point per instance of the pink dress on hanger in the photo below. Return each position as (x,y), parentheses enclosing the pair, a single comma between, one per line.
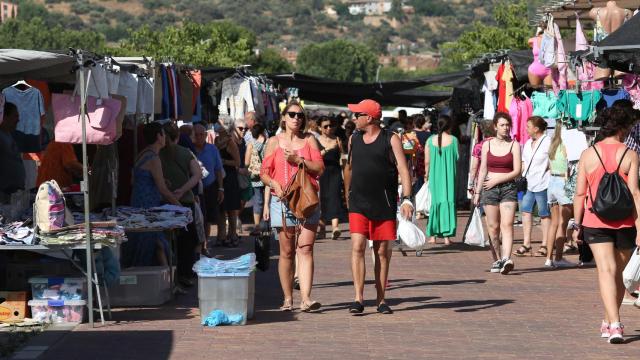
(520,111)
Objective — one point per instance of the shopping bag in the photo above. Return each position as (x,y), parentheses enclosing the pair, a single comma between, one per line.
(631,273)
(475,233)
(423,199)
(410,234)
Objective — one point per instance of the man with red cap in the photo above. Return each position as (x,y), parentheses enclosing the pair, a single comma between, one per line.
(371,182)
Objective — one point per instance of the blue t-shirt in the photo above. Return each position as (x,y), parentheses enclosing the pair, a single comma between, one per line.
(210,158)
(30,106)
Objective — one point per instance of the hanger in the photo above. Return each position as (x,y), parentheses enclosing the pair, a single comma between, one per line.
(21,85)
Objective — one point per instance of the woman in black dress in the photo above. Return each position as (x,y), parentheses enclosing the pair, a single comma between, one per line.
(331,184)
(230,206)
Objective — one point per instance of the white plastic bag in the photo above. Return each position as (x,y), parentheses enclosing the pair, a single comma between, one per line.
(631,273)
(475,233)
(410,234)
(423,199)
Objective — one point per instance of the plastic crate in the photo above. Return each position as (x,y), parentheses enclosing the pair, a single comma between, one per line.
(58,311)
(231,293)
(58,288)
(141,286)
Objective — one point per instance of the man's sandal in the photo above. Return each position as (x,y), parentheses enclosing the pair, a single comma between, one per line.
(523,250)
(542,252)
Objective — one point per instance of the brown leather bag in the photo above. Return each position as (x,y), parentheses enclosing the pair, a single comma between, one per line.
(300,196)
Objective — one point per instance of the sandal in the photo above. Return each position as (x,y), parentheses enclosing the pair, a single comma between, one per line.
(310,307)
(287,305)
(570,249)
(523,250)
(335,235)
(542,252)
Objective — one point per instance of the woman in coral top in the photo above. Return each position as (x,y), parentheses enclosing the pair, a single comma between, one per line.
(610,241)
(284,153)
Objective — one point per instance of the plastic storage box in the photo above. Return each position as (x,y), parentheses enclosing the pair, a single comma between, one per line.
(58,288)
(58,311)
(231,293)
(137,286)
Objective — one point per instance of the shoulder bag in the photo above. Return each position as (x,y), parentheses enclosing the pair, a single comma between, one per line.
(521,182)
(300,196)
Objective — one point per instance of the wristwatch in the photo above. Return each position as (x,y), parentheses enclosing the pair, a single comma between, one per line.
(406,198)
(221,189)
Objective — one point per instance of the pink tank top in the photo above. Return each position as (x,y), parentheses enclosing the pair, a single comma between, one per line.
(279,169)
(608,154)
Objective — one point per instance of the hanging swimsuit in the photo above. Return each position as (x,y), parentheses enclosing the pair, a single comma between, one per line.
(580,107)
(537,68)
(545,104)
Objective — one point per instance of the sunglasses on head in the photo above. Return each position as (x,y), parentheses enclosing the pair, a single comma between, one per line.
(292,114)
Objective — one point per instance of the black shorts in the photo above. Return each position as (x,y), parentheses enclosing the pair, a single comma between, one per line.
(211,206)
(505,192)
(623,239)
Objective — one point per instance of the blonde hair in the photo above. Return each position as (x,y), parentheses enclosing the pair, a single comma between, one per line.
(556,141)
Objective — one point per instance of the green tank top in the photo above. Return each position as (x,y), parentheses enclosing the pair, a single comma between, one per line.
(559,163)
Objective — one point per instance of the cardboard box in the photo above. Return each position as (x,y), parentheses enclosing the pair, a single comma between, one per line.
(13,306)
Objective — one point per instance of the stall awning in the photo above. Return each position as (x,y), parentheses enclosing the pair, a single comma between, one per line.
(564,12)
(18,64)
(391,93)
(621,49)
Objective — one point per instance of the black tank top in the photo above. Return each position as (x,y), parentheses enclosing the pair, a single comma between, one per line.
(374,178)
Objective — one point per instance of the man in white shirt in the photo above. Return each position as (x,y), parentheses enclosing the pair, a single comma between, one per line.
(535,167)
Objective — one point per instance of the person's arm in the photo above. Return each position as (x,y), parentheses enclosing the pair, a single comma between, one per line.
(482,173)
(347,173)
(473,172)
(196,176)
(155,167)
(217,170)
(314,166)
(406,208)
(496,179)
(247,155)
(265,176)
(427,160)
(266,210)
(581,192)
(632,181)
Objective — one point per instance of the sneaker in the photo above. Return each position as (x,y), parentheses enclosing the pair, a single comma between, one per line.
(588,263)
(507,266)
(356,308)
(604,329)
(384,309)
(628,301)
(549,264)
(616,333)
(562,263)
(637,303)
(496,266)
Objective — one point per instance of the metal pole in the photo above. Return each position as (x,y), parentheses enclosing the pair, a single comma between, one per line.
(378,72)
(85,191)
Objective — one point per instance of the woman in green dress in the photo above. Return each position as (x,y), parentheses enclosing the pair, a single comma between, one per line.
(441,156)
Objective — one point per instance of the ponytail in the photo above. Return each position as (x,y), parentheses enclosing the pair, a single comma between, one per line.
(440,131)
(444,125)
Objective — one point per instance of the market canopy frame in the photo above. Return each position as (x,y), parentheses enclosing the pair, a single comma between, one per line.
(564,11)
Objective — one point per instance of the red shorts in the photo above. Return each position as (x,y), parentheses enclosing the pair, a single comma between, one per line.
(372,229)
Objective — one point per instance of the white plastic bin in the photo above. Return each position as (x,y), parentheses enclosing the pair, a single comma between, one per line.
(58,311)
(231,293)
(140,286)
(58,288)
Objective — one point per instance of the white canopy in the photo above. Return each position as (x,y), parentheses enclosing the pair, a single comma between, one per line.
(17,64)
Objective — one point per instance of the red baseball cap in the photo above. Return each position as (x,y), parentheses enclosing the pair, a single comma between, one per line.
(367,106)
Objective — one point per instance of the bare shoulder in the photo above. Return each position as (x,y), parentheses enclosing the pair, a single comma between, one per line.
(313,141)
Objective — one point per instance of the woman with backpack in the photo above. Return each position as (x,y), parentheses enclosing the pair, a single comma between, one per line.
(253,160)
(608,220)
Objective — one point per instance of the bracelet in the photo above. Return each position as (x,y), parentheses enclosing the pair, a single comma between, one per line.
(407,202)
(221,189)
(576,226)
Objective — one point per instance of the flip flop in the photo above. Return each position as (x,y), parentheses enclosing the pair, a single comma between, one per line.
(310,307)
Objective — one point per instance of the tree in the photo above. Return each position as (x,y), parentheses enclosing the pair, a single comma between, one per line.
(271,62)
(218,43)
(396,11)
(511,31)
(339,60)
(35,34)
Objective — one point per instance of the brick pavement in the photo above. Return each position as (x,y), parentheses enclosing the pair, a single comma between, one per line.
(447,306)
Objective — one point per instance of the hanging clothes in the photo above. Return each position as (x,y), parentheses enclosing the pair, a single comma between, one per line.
(113,79)
(489,87)
(580,107)
(144,104)
(30,104)
(505,77)
(588,69)
(520,111)
(609,96)
(236,97)
(128,87)
(631,83)
(545,104)
(196,76)
(186,95)
(166,95)
(559,75)
(158,89)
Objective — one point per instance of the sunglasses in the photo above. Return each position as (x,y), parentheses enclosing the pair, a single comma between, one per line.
(292,114)
(241,128)
(357,115)
(328,126)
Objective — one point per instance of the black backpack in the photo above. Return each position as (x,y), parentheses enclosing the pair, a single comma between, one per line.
(613,199)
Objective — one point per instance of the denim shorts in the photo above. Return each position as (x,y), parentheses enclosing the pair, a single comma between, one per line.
(538,197)
(556,194)
(275,214)
(505,192)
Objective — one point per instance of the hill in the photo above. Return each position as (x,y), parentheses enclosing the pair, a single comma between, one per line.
(407,27)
